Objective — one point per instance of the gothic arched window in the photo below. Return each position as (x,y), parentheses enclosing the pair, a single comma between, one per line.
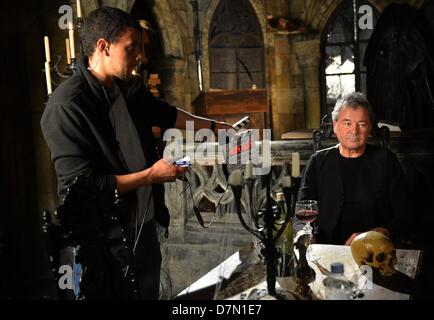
(343,48)
(236,51)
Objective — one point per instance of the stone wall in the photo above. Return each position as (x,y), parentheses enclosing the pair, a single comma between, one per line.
(292,64)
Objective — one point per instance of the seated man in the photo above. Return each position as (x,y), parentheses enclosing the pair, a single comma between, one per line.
(359,187)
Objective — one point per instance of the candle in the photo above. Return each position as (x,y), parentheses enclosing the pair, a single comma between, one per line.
(48,77)
(235,178)
(71,41)
(68,51)
(280,197)
(47,49)
(78,9)
(295,164)
(249,170)
(286,182)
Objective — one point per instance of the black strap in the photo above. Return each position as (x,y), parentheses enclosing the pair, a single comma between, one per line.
(213,125)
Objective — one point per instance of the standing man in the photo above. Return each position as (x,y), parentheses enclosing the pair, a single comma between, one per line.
(99,123)
(358,187)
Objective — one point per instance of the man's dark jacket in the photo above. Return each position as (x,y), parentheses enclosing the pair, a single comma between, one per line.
(82,141)
(382,194)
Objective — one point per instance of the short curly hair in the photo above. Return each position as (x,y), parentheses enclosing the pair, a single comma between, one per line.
(106,22)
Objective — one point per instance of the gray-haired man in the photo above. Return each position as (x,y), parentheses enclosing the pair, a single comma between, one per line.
(359,187)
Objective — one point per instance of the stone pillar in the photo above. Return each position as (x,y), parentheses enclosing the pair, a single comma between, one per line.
(281,87)
(173,75)
(308,56)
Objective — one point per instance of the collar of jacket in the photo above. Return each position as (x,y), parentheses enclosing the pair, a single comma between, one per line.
(94,85)
(127,88)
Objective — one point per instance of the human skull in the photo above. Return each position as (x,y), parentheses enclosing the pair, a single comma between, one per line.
(374,249)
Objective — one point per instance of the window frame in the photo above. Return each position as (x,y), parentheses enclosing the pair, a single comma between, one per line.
(239,70)
(356,43)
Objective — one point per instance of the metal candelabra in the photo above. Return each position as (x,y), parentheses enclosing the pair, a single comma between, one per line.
(271,230)
(56,75)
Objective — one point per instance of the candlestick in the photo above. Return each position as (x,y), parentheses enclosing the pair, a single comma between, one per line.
(286,182)
(295,164)
(249,170)
(68,51)
(78,9)
(47,49)
(235,178)
(71,40)
(48,77)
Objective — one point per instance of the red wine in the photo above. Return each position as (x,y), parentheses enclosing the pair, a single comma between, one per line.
(307,215)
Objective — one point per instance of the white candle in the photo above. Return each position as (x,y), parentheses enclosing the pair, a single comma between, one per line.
(78,9)
(71,41)
(286,182)
(235,178)
(47,49)
(295,165)
(48,77)
(249,170)
(68,51)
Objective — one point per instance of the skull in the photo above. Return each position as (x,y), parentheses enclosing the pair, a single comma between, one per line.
(374,249)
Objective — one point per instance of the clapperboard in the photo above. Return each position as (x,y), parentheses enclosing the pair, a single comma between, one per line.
(241,124)
(242,148)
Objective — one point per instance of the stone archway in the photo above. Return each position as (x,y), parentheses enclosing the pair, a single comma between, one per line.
(308,52)
(90,5)
(170,36)
(259,9)
(173,64)
(320,13)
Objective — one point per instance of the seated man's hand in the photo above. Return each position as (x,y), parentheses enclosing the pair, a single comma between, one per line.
(351,238)
(383,231)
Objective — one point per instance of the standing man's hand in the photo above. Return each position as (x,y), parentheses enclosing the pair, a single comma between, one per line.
(164,171)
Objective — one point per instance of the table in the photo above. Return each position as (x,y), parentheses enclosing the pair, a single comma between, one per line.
(243,275)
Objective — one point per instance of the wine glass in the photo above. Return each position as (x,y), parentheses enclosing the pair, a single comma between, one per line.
(306,211)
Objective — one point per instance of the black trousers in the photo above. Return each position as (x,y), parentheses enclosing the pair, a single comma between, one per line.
(103,278)
(147,259)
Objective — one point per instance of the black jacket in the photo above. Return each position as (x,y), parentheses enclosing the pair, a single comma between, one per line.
(382,194)
(80,136)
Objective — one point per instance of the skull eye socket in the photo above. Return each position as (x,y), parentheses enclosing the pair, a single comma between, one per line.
(381,257)
(369,258)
